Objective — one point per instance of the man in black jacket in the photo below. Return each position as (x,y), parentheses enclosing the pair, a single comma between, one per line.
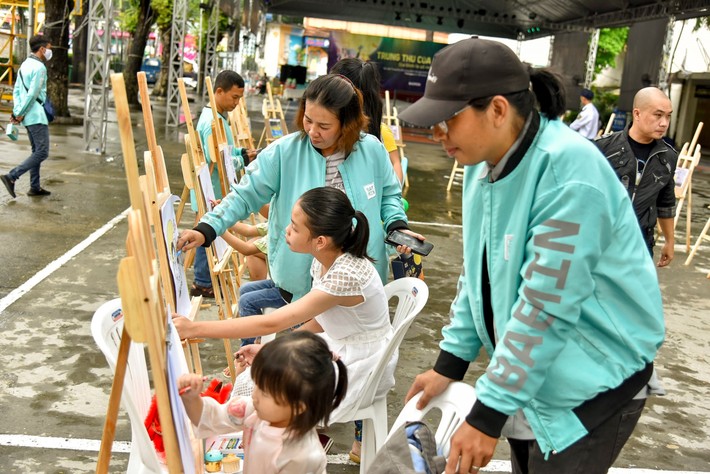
(645,164)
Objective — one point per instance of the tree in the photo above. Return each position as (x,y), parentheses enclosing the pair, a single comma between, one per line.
(612,41)
(164,10)
(136,19)
(79,45)
(56,30)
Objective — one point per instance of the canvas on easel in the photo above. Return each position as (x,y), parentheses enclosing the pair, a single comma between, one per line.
(231,172)
(175,257)
(274,119)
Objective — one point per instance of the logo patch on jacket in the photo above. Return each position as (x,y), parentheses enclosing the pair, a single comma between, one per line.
(370,190)
(506,247)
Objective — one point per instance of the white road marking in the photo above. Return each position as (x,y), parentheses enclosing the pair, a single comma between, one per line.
(49,442)
(78,444)
(436,224)
(18,292)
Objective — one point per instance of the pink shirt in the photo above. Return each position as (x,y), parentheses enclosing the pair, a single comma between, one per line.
(267,449)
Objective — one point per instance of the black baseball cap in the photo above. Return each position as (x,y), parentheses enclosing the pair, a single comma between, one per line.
(470,69)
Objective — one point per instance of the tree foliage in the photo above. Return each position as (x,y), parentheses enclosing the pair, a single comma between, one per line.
(702,22)
(128,17)
(612,41)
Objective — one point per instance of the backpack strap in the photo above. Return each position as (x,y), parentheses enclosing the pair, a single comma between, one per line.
(19,73)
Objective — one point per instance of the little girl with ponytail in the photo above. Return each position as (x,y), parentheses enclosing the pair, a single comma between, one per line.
(297,386)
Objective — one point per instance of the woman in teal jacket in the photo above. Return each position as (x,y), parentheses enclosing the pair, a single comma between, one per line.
(328,150)
(557,285)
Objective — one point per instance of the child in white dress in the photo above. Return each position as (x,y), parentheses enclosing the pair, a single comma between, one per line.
(297,385)
(347,304)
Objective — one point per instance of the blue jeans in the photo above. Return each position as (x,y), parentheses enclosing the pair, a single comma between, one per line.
(257,295)
(202,268)
(39,139)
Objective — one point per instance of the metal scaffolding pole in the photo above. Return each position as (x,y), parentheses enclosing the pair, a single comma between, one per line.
(211,48)
(666,59)
(175,69)
(591,59)
(97,74)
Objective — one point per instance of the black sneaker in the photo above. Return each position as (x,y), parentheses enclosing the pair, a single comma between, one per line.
(9,184)
(203,291)
(38,192)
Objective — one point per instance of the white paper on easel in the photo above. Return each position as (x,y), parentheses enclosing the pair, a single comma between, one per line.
(226,152)
(681,175)
(176,366)
(220,245)
(176,262)
(396,131)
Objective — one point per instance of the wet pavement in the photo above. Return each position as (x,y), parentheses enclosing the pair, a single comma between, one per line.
(54,383)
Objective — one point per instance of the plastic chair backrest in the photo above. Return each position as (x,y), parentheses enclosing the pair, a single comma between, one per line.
(106,329)
(413,294)
(454,403)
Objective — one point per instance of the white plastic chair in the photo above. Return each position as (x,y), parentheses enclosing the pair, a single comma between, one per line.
(454,403)
(413,294)
(106,328)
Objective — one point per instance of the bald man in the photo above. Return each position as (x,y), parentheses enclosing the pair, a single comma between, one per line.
(645,164)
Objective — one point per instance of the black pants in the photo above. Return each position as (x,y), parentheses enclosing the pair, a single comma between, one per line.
(593,454)
(650,238)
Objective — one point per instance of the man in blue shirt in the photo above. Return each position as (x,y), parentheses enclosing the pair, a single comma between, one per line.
(29,94)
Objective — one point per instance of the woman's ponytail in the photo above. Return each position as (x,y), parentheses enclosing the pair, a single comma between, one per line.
(549,92)
(356,243)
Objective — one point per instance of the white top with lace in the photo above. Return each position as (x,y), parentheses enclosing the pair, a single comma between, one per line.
(359,333)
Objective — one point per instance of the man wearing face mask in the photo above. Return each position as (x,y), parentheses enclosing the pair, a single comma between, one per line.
(29,94)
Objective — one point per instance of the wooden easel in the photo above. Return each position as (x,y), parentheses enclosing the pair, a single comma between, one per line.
(239,121)
(272,111)
(454,171)
(155,197)
(688,159)
(142,301)
(391,119)
(704,235)
(193,135)
(223,267)
(217,141)
(604,131)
